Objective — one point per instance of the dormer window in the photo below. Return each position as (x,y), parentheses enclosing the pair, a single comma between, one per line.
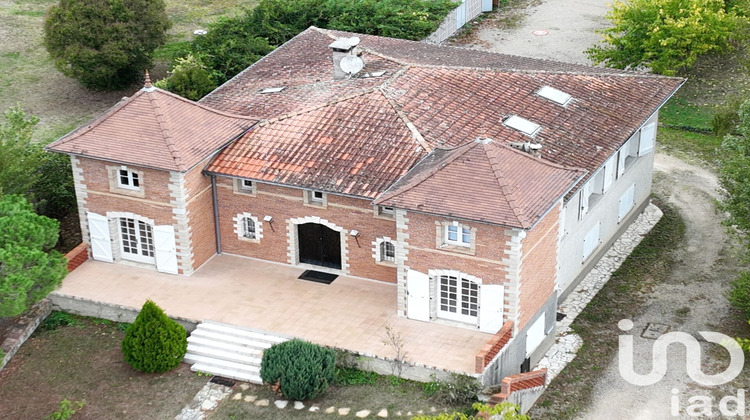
(522,124)
(128,179)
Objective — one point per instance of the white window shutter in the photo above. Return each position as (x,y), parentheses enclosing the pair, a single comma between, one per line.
(621,156)
(627,201)
(165,249)
(591,241)
(491,297)
(417,295)
(535,335)
(585,194)
(101,243)
(609,172)
(648,135)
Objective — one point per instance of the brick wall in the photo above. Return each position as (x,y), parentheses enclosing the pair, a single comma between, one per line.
(283,204)
(493,346)
(485,263)
(77,256)
(200,213)
(518,382)
(538,266)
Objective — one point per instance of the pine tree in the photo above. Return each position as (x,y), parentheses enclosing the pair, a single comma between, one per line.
(154,343)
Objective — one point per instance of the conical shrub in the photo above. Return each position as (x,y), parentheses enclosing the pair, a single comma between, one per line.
(154,343)
(303,370)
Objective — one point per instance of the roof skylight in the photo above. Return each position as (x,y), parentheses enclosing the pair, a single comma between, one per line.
(272,89)
(522,124)
(555,95)
(373,74)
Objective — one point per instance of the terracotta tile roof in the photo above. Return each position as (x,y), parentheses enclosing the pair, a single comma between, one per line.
(484,181)
(358,146)
(446,96)
(156,129)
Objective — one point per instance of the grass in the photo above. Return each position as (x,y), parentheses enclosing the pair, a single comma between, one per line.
(79,359)
(690,146)
(623,296)
(373,395)
(29,78)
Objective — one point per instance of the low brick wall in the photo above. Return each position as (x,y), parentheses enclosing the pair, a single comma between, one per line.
(519,382)
(493,346)
(24,327)
(77,256)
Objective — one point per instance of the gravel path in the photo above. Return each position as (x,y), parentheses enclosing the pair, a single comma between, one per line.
(570,27)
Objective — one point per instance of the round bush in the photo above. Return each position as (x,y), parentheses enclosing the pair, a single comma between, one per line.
(154,343)
(303,370)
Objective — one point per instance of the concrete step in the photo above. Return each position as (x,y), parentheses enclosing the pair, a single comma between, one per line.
(227,373)
(220,337)
(240,332)
(227,351)
(214,353)
(223,364)
(223,345)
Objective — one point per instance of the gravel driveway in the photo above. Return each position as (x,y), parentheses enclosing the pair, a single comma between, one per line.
(693,299)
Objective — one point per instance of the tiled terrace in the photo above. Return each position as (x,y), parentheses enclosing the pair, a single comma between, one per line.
(350,313)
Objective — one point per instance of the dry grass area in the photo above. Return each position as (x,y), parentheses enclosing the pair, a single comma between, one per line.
(84,362)
(28,76)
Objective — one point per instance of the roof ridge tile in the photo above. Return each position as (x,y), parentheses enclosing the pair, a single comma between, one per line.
(161,120)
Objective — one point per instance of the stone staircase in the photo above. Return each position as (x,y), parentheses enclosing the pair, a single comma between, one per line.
(228,351)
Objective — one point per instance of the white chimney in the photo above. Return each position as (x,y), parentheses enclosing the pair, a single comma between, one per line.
(346,62)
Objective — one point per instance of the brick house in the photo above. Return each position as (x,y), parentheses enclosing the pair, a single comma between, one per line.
(484,186)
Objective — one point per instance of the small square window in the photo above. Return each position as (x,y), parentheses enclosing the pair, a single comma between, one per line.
(128,179)
(317,196)
(456,234)
(247,184)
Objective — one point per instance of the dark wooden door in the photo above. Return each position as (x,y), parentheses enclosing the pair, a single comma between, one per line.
(319,245)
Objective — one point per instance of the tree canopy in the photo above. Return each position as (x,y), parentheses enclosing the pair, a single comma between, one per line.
(664,35)
(105,44)
(734,172)
(20,156)
(29,269)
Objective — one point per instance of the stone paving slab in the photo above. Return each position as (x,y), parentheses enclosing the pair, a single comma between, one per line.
(567,342)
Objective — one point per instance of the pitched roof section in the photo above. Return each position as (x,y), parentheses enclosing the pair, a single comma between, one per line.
(483,181)
(358,146)
(156,129)
(448,95)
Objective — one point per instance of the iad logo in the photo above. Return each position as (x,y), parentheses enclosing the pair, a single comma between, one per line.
(692,362)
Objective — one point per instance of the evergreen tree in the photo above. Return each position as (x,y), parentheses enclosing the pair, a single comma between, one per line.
(154,343)
(28,269)
(105,44)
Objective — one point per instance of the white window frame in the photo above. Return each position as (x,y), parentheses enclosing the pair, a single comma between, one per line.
(383,252)
(584,197)
(240,227)
(377,251)
(311,199)
(131,178)
(461,231)
(468,303)
(142,242)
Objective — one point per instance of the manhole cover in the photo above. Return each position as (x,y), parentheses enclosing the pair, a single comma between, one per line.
(540,32)
(654,330)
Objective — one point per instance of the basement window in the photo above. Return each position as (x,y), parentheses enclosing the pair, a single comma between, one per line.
(522,124)
(272,89)
(555,95)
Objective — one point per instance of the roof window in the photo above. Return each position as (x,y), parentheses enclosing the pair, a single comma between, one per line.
(373,74)
(522,124)
(555,95)
(273,89)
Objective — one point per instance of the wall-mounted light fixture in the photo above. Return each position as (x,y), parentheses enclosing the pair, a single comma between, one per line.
(269,219)
(355,234)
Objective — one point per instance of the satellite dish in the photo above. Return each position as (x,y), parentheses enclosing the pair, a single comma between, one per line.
(352,64)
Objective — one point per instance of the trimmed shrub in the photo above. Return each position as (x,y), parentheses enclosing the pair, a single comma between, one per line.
(189,78)
(302,370)
(154,343)
(739,294)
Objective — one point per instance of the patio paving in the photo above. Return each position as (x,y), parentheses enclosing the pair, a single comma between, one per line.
(350,313)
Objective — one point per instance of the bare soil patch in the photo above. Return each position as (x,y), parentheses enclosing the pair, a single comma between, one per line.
(84,362)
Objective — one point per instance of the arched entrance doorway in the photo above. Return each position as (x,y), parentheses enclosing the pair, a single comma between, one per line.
(319,245)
